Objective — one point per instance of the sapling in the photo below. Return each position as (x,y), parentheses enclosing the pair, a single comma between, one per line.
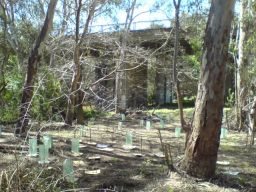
(32,147)
(68,170)
(75,145)
(148,124)
(177,131)
(128,138)
(43,154)
(141,123)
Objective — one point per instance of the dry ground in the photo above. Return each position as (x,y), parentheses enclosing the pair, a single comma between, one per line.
(119,169)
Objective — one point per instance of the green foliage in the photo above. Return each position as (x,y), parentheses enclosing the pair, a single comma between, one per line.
(151,99)
(154,25)
(230,98)
(27,35)
(170,189)
(194,60)
(145,167)
(89,113)
(151,86)
(47,97)
(11,94)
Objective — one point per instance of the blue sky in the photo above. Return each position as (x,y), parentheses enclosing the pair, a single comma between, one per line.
(142,13)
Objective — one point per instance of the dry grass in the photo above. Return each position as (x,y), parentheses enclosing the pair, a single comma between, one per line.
(122,171)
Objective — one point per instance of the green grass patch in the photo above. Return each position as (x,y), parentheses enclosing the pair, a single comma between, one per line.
(91,111)
(173,114)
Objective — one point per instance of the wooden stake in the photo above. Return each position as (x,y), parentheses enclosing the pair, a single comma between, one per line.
(141,145)
(161,140)
(90,134)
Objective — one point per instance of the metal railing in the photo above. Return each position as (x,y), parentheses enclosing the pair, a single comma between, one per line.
(139,25)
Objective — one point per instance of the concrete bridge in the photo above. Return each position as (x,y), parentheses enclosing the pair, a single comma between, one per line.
(147,76)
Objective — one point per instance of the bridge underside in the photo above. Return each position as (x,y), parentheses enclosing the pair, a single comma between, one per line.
(146,68)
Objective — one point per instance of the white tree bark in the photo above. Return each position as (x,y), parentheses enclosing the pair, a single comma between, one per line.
(242,64)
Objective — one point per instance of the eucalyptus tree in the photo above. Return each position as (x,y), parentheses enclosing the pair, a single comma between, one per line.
(176,82)
(120,79)
(202,147)
(32,68)
(17,32)
(75,91)
(244,61)
(88,9)
(184,22)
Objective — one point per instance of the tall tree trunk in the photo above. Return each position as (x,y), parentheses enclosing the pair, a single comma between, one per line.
(176,82)
(33,60)
(4,62)
(121,80)
(253,116)
(66,15)
(76,94)
(10,31)
(243,74)
(202,148)
(74,88)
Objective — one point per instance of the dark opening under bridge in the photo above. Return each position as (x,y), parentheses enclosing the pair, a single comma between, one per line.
(149,51)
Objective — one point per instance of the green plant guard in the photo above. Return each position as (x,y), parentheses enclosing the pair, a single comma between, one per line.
(141,123)
(177,131)
(47,139)
(224,133)
(75,145)
(32,147)
(120,125)
(68,170)
(128,138)
(82,131)
(123,117)
(43,154)
(162,124)
(148,125)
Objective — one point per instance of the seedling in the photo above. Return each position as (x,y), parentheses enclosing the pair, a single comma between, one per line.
(162,124)
(43,154)
(141,123)
(75,145)
(68,170)
(148,124)
(82,131)
(120,124)
(123,117)
(32,147)
(47,139)
(224,133)
(128,138)
(177,131)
